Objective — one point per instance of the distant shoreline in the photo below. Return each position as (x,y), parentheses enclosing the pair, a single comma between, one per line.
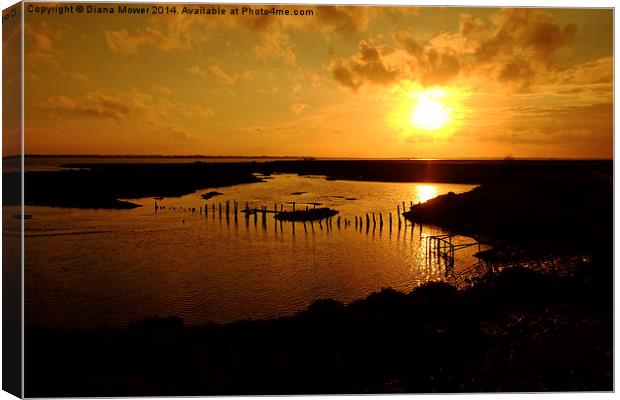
(292,157)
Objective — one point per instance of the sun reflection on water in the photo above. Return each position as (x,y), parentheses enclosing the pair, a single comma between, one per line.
(425,192)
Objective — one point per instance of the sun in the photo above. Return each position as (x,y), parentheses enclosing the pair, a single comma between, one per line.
(430,111)
(426,114)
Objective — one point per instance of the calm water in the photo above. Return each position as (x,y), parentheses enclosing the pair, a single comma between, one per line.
(109,267)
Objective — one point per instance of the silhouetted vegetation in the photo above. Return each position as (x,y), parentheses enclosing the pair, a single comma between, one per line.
(542,213)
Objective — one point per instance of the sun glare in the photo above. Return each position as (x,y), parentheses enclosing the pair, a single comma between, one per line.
(430,112)
(422,113)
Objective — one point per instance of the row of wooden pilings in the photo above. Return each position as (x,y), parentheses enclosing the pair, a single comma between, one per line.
(228,208)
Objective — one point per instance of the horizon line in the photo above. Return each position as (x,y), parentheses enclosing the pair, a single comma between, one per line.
(299,157)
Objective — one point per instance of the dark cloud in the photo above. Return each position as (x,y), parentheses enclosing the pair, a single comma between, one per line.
(345,20)
(366,66)
(517,48)
(406,40)
(518,74)
(439,66)
(520,47)
(534,30)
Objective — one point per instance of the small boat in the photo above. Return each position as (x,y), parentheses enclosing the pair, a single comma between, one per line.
(306,215)
(208,195)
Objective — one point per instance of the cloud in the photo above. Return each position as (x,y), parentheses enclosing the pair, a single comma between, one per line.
(515,49)
(181,135)
(127,42)
(95,104)
(406,40)
(42,42)
(78,76)
(168,131)
(588,125)
(203,112)
(276,44)
(344,20)
(366,66)
(534,31)
(164,33)
(161,90)
(298,108)
(518,48)
(518,73)
(247,75)
(213,71)
(590,72)
(438,66)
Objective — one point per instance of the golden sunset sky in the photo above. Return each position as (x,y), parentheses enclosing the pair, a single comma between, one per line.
(345,82)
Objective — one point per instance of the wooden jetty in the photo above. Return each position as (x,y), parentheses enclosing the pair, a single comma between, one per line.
(440,248)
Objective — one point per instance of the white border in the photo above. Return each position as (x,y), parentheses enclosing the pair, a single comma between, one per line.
(479,3)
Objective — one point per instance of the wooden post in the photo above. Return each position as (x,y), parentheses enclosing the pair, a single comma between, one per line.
(367,220)
(390,220)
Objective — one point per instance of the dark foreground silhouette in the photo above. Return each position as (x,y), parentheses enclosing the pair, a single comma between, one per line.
(518,330)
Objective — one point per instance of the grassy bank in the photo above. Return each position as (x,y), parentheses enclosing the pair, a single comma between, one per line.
(543,213)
